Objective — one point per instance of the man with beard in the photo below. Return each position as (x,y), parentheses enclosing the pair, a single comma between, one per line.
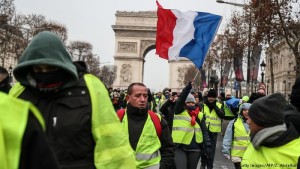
(4,80)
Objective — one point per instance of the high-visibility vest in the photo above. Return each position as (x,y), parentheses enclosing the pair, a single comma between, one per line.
(213,122)
(241,139)
(283,157)
(13,121)
(108,153)
(147,151)
(227,110)
(183,131)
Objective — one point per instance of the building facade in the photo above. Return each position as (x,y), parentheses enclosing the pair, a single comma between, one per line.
(281,61)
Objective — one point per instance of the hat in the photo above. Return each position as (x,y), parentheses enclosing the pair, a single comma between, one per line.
(245,106)
(190,98)
(245,98)
(212,93)
(295,95)
(268,111)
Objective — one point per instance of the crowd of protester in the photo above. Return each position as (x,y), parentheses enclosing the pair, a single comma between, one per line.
(58,115)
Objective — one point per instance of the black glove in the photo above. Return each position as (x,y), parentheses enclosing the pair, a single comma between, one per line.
(189,86)
(208,151)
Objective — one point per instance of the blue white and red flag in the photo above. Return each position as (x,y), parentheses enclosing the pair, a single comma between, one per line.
(188,34)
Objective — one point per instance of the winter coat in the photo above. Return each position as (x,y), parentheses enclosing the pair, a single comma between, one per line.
(136,121)
(74,131)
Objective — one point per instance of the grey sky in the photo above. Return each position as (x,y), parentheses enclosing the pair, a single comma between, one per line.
(91,21)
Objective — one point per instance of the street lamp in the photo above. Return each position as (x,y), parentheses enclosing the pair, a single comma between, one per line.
(231,3)
(263,67)
(284,87)
(249,39)
(10,74)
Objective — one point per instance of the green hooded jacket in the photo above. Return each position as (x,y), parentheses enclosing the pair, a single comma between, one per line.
(41,51)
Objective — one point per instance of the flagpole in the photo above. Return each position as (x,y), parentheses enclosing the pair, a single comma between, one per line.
(196,74)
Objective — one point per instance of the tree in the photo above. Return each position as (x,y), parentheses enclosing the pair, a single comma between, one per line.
(55,27)
(277,20)
(108,75)
(80,50)
(7,8)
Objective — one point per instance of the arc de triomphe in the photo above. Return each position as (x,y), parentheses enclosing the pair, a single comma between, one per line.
(135,34)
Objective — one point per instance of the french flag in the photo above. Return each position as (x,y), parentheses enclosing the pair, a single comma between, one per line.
(188,34)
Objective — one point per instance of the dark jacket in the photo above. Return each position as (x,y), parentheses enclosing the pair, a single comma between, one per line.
(66,110)
(293,116)
(167,109)
(180,107)
(4,85)
(136,121)
(36,152)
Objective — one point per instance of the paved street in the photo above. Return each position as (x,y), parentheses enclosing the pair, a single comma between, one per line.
(220,162)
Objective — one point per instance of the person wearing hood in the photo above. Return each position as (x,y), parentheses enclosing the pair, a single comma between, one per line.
(148,133)
(274,144)
(4,80)
(81,124)
(189,131)
(236,138)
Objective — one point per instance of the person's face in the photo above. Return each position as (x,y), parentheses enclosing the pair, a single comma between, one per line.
(44,68)
(197,99)
(190,104)
(211,99)
(2,76)
(261,92)
(254,128)
(228,96)
(138,97)
(245,113)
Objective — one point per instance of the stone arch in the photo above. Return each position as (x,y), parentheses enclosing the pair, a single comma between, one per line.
(135,34)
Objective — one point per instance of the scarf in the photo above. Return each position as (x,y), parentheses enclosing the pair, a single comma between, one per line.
(194,114)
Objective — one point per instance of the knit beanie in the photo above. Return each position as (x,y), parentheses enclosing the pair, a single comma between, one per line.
(245,98)
(190,98)
(295,95)
(212,93)
(268,111)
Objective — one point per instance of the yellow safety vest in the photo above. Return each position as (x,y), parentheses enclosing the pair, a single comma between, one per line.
(183,131)
(112,150)
(13,120)
(283,157)
(213,122)
(241,139)
(147,151)
(227,110)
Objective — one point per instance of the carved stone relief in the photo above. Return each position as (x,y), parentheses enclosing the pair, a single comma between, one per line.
(127,47)
(146,43)
(126,73)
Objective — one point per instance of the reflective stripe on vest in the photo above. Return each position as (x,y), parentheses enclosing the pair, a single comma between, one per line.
(140,156)
(147,149)
(283,157)
(241,139)
(213,122)
(13,124)
(183,131)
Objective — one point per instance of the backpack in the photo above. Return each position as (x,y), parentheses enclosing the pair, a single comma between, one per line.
(154,117)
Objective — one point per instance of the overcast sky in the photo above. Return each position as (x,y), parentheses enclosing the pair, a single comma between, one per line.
(91,21)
